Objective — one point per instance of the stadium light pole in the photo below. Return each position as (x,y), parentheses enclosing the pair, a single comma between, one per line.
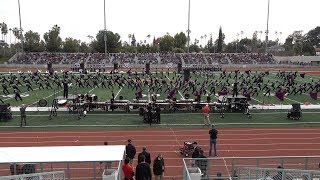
(105,29)
(21,35)
(188,28)
(267,31)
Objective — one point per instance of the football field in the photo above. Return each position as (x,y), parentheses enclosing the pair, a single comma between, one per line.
(31,98)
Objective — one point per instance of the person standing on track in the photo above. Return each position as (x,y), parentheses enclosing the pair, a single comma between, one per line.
(143,170)
(158,167)
(127,170)
(206,111)
(146,154)
(213,140)
(23,115)
(131,151)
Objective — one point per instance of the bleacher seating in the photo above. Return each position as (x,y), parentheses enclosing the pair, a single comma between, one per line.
(142,58)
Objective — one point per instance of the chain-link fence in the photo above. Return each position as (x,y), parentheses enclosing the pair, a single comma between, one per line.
(57,175)
(227,167)
(252,173)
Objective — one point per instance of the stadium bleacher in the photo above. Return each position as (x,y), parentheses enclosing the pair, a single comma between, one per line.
(142,58)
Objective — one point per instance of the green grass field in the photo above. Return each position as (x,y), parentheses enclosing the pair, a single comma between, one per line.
(104,94)
(98,119)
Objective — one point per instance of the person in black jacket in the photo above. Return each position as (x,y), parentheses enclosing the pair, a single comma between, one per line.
(143,170)
(65,89)
(130,151)
(146,154)
(196,149)
(195,153)
(202,163)
(213,140)
(158,167)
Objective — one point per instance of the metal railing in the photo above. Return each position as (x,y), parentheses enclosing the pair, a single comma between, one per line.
(56,175)
(228,166)
(252,173)
(72,170)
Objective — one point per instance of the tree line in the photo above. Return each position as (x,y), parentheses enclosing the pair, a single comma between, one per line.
(296,43)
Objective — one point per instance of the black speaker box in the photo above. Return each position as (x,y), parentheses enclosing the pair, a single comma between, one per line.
(148,68)
(115,66)
(186,74)
(179,68)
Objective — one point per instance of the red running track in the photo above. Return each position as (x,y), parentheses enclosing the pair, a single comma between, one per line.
(238,142)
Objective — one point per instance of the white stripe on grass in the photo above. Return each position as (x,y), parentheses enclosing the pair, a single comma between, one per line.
(118,92)
(21,94)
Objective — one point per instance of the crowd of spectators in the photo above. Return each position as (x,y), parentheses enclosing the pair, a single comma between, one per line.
(295,63)
(97,58)
(166,58)
(143,168)
(197,58)
(142,58)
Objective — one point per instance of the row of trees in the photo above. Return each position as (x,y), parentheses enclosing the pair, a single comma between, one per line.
(296,44)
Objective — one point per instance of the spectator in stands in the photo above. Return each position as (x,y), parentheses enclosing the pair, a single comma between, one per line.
(219,176)
(158,167)
(127,170)
(143,170)
(145,154)
(131,151)
(202,163)
(23,115)
(213,140)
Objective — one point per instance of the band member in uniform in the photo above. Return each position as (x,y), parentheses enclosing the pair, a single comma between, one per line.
(23,115)
(17,94)
(5,89)
(65,89)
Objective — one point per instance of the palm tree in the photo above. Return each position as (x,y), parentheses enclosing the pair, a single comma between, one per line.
(4,30)
(10,35)
(205,39)
(90,38)
(129,36)
(241,34)
(148,36)
(16,33)
(201,37)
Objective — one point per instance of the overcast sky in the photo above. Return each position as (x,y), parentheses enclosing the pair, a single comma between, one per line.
(80,18)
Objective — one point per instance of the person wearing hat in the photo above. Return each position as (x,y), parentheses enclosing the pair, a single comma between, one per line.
(23,115)
(130,151)
(146,154)
(206,111)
